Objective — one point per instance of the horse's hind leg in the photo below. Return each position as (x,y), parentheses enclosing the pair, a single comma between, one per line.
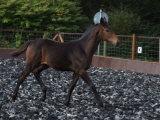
(22,77)
(71,87)
(36,73)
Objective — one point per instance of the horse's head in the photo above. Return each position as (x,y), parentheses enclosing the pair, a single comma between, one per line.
(106,33)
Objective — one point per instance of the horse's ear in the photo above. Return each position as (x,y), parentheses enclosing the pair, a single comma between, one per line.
(103,21)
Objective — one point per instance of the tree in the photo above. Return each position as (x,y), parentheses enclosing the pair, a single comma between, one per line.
(64,16)
(67,16)
(123,21)
(147,10)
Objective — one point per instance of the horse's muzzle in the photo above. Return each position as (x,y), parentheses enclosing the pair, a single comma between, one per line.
(117,44)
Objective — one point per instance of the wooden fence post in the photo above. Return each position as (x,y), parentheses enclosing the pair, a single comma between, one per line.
(159,50)
(133,46)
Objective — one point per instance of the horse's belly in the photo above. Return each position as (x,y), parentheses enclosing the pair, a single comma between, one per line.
(61,66)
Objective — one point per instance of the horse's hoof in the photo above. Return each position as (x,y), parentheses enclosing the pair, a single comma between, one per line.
(67,104)
(42,99)
(101,105)
(13,98)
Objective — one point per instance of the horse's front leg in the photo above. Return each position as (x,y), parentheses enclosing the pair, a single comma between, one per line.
(71,87)
(86,78)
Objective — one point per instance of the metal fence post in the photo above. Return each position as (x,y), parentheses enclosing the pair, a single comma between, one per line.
(133,46)
(98,50)
(104,48)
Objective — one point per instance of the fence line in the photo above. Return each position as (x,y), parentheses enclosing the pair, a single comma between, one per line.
(132,47)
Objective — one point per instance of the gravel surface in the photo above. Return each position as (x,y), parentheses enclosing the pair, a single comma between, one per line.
(126,95)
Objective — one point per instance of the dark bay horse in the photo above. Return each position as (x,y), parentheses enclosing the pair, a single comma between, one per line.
(73,56)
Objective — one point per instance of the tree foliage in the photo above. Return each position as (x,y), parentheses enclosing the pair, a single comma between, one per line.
(142,17)
(67,15)
(123,21)
(147,10)
(64,16)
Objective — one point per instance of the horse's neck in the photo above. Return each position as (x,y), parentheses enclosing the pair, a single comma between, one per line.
(90,43)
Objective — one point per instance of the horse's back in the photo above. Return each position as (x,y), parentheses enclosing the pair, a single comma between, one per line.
(40,42)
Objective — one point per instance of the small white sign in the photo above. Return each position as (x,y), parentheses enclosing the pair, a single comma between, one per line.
(139,49)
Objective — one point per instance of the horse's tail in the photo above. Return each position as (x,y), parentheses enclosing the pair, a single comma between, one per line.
(21,49)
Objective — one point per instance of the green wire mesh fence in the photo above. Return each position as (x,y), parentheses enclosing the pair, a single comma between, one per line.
(142,48)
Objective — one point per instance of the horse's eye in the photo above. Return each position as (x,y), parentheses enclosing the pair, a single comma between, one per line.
(107,30)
